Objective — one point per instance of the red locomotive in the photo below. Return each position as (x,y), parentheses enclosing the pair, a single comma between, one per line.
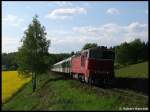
(91,65)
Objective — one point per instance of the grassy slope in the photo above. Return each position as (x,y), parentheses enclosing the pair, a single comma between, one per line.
(57,93)
(139,70)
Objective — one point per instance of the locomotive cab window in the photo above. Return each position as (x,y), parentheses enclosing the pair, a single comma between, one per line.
(95,54)
(101,54)
(108,55)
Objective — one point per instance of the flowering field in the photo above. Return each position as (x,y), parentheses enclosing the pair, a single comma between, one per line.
(11,82)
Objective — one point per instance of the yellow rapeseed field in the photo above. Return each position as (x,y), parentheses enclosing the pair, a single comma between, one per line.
(11,82)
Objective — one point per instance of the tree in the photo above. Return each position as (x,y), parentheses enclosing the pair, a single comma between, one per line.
(72,53)
(132,52)
(9,61)
(146,57)
(121,52)
(32,55)
(89,45)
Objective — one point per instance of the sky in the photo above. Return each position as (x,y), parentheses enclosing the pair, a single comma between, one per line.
(72,24)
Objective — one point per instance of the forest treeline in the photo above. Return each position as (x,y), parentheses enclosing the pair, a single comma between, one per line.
(126,53)
(9,61)
(132,52)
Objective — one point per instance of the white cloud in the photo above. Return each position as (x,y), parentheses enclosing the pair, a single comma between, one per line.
(137,27)
(8,41)
(12,20)
(10,44)
(73,40)
(97,31)
(24,28)
(112,11)
(108,35)
(65,42)
(113,34)
(63,13)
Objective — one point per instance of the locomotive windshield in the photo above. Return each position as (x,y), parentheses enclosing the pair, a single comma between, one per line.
(108,55)
(99,54)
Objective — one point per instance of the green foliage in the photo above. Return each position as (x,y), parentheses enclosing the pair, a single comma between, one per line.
(9,61)
(72,53)
(89,45)
(32,55)
(132,52)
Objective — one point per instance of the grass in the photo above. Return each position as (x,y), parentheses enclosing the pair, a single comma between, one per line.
(139,70)
(55,92)
(11,83)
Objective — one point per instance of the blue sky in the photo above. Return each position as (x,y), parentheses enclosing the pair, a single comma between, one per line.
(69,25)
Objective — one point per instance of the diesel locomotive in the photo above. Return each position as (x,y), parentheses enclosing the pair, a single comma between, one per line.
(90,65)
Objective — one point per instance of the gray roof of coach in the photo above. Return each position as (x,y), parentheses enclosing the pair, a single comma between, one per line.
(60,62)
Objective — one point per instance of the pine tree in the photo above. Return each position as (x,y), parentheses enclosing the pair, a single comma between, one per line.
(33,54)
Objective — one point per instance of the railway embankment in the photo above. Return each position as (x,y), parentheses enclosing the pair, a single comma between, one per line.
(56,92)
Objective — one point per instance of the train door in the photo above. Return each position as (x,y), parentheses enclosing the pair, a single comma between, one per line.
(83,59)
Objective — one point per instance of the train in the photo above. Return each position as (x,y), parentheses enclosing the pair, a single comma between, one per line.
(90,65)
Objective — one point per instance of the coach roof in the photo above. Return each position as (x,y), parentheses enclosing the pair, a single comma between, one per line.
(65,60)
